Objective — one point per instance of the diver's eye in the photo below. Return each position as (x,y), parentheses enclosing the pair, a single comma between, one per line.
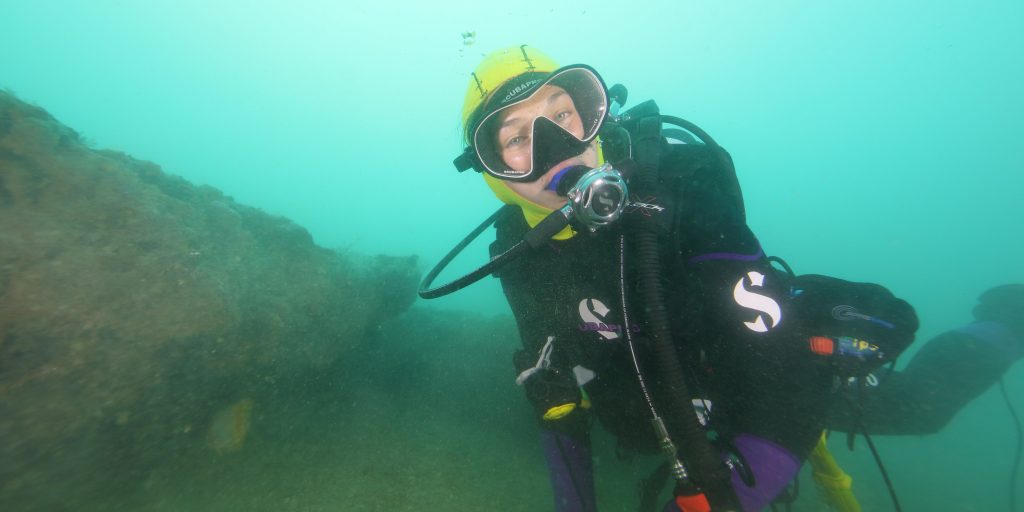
(563,116)
(516,141)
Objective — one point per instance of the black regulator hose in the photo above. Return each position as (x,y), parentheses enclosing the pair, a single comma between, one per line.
(692,128)
(596,197)
(537,236)
(494,264)
(707,469)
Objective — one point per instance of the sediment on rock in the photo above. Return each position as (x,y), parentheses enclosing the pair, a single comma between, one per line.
(134,306)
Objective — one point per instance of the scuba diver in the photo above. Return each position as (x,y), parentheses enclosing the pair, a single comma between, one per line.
(643,300)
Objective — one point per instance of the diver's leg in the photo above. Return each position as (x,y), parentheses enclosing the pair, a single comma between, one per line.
(571,469)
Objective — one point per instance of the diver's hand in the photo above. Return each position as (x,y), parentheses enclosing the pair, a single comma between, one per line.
(855,326)
(554,396)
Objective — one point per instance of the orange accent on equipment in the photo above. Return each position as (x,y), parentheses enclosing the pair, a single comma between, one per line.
(695,503)
(822,346)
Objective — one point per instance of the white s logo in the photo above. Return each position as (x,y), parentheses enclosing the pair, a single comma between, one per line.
(757,302)
(588,316)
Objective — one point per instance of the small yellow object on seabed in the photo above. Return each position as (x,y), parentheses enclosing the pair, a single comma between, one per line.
(229,426)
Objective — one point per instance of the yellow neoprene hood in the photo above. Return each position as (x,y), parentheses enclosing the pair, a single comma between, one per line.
(496,69)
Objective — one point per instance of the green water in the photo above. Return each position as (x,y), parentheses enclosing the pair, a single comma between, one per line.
(874,141)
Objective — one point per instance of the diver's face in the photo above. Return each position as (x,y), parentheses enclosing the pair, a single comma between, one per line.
(516,145)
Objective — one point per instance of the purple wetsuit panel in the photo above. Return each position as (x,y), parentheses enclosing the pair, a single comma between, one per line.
(773,468)
(571,470)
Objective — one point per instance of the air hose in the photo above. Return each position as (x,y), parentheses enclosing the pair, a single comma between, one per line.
(709,472)
(491,266)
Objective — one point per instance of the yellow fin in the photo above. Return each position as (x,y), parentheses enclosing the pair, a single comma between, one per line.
(834,486)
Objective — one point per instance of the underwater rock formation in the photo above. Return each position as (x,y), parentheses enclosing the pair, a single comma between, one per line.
(134,306)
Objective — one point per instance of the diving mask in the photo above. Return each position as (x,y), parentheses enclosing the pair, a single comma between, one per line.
(547,137)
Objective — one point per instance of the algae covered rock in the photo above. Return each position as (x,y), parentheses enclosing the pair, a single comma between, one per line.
(134,306)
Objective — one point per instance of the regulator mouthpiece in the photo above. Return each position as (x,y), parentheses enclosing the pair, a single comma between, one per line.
(556,184)
(598,197)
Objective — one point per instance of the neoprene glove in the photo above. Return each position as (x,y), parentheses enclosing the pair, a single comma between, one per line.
(857,327)
(553,394)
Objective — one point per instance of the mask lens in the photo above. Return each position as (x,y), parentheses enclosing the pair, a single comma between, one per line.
(590,100)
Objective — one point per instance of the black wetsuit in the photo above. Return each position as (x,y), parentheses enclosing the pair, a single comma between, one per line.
(740,326)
